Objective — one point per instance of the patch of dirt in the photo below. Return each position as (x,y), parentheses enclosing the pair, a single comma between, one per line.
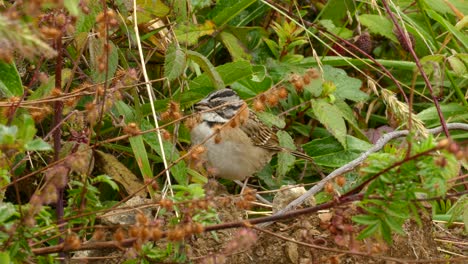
(418,243)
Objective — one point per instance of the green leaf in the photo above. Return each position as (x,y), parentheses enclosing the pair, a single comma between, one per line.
(349,116)
(148,9)
(378,25)
(8,134)
(369,231)
(457,33)
(330,116)
(208,68)
(10,81)
(27,128)
(393,224)
(4,257)
(285,159)
(174,63)
(343,32)
(336,10)
(44,89)
(106,179)
(141,156)
(365,219)
(457,65)
(346,87)
(37,145)
(179,170)
(231,11)
(97,47)
(452,111)
(7,210)
(229,72)
(385,230)
(271,120)
(329,152)
(189,34)
(234,46)
(85,23)
(72,6)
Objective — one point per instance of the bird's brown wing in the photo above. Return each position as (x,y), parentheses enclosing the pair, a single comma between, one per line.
(264,137)
(260,134)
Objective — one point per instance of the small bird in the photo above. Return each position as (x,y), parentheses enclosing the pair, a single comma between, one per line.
(242,144)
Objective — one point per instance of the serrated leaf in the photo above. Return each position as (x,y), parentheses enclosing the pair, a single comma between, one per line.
(10,81)
(285,159)
(378,25)
(346,87)
(208,68)
(174,63)
(330,116)
(189,34)
(271,120)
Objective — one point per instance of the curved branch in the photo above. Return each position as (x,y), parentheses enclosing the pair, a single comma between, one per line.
(358,161)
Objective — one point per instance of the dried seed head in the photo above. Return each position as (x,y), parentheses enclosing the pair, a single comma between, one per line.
(72,242)
(313,73)
(165,116)
(306,79)
(166,204)
(131,129)
(297,81)
(98,235)
(119,235)
(217,138)
(443,143)
(258,105)
(141,219)
(340,180)
(156,234)
(272,99)
(329,187)
(282,92)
